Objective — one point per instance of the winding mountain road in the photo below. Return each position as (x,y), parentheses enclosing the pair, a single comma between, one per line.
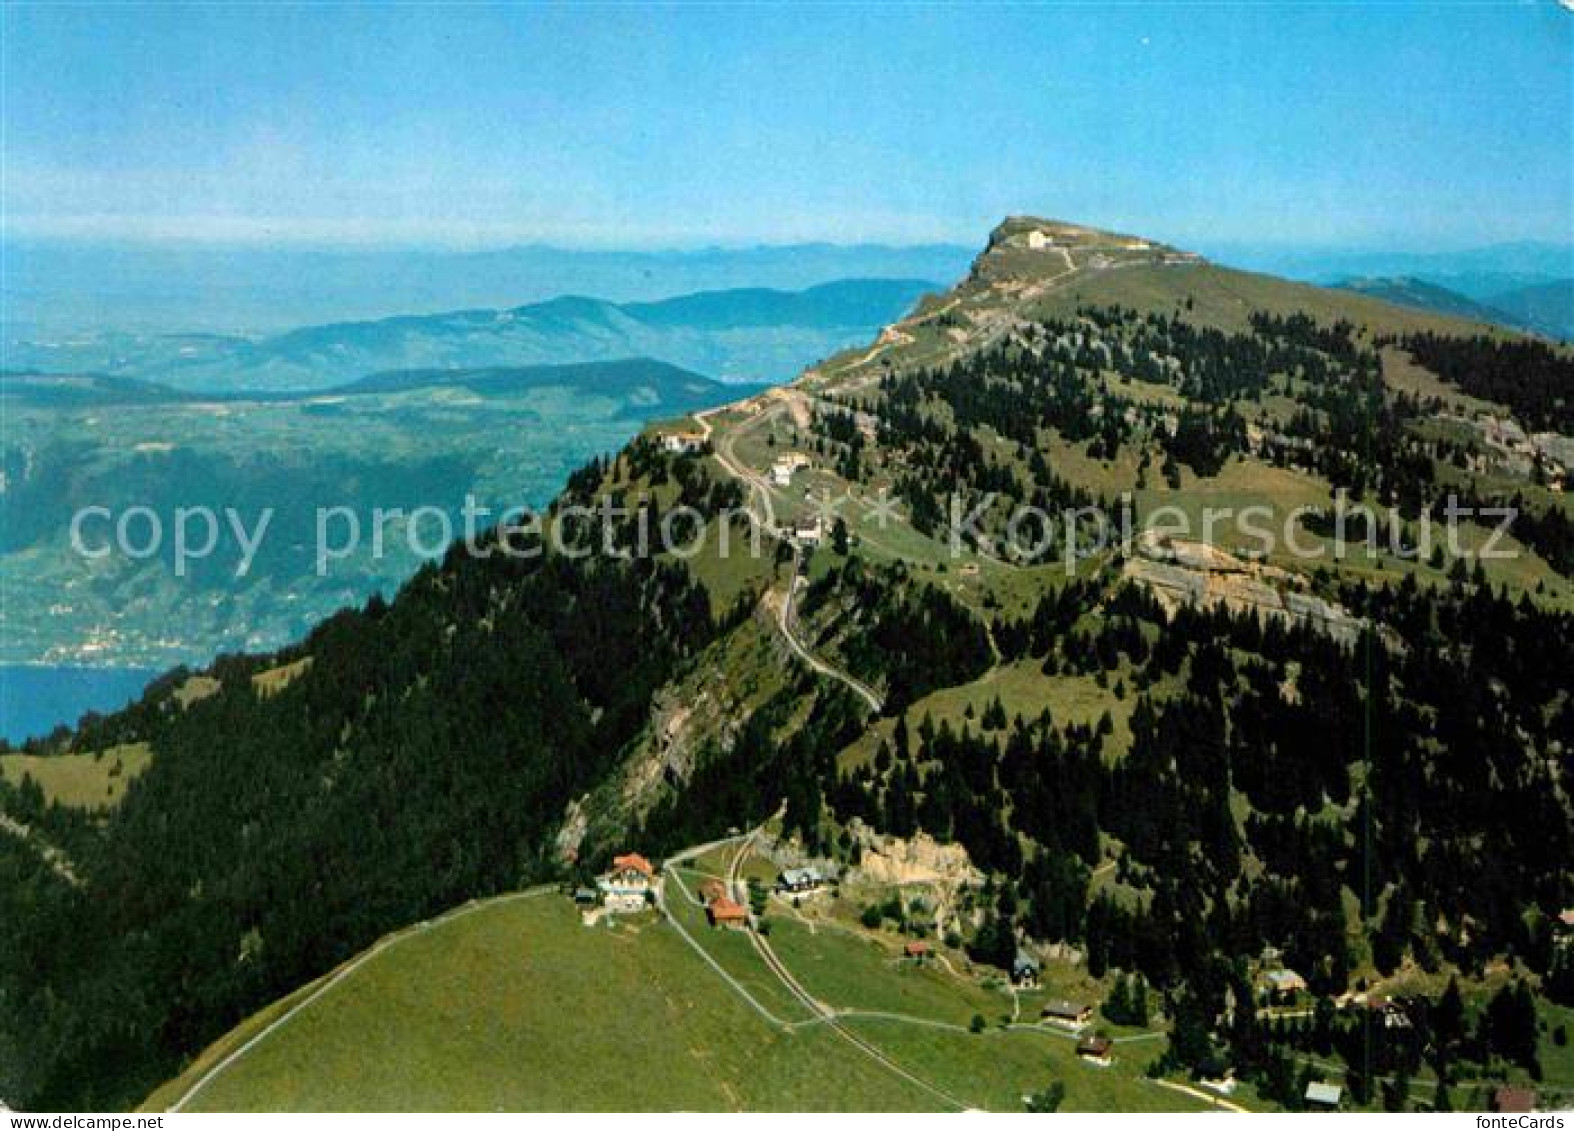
(787,624)
(786,621)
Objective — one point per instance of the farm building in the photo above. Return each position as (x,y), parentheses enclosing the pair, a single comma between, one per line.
(797,880)
(682,443)
(786,466)
(1284,984)
(725,912)
(1024,969)
(809,531)
(915,950)
(1390,1012)
(1098,1049)
(1070,1014)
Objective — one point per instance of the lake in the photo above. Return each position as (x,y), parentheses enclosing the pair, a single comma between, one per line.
(34,699)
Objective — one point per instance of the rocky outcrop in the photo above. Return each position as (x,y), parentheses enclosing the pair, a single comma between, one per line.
(944,872)
(697,716)
(1194,573)
(920,860)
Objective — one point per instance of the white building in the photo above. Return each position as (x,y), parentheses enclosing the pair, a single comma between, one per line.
(682,443)
(798,880)
(809,531)
(786,466)
(1324,1095)
(628,886)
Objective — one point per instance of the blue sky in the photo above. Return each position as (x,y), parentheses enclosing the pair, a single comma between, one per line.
(601,125)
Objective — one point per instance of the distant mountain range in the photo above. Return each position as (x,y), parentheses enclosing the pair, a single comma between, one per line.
(743,335)
(640,380)
(1543,308)
(1548,307)
(1476,272)
(1527,285)
(52,289)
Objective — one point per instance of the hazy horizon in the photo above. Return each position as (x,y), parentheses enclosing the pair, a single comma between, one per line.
(66,286)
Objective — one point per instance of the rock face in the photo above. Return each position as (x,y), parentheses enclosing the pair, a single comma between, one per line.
(921,860)
(1194,573)
(943,871)
(701,713)
(572,832)
(666,755)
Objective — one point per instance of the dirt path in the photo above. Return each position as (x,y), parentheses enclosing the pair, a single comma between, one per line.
(786,621)
(736,986)
(1209,1097)
(829,1015)
(722,449)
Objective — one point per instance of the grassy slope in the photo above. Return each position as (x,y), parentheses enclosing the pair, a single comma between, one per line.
(516,1005)
(1225,297)
(83,781)
(1023,689)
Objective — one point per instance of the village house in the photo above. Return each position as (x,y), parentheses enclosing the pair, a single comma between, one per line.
(796,881)
(809,531)
(1024,969)
(1067,1014)
(726,912)
(1321,1095)
(712,889)
(1097,1049)
(1284,984)
(682,443)
(628,887)
(786,466)
(917,951)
